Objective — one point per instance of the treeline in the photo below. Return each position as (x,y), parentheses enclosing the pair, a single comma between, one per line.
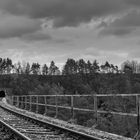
(76,77)
(70,67)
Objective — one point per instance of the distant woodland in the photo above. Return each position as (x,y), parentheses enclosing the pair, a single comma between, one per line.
(80,77)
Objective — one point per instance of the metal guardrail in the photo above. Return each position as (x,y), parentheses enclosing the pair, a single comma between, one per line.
(27,101)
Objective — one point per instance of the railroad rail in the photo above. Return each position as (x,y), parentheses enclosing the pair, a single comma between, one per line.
(25,127)
(27,102)
(29,126)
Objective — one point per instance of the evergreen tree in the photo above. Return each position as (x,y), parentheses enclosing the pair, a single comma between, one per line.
(17,68)
(35,68)
(95,67)
(9,66)
(106,68)
(1,61)
(81,65)
(70,67)
(89,67)
(53,69)
(28,68)
(4,65)
(44,69)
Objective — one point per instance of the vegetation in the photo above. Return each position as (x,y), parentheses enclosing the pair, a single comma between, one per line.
(80,77)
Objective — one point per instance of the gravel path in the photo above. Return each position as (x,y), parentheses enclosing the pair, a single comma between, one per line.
(5,135)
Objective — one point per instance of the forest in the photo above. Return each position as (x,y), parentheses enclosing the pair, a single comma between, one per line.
(79,77)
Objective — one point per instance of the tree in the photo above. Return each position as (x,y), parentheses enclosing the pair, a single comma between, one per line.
(88,67)
(44,69)
(1,61)
(70,67)
(9,65)
(133,65)
(95,67)
(116,69)
(35,68)
(81,66)
(18,68)
(53,69)
(28,68)
(3,66)
(127,67)
(106,68)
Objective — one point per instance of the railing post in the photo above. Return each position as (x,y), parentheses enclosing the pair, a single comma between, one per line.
(21,101)
(8,99)
(12,100)
(138,116)
(26,102)
(30,105)
(95,111)
(18,101)
(56,107)
(45,113)
(37,104)
(72,109)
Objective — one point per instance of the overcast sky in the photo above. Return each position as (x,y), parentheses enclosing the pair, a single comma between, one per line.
(45,30)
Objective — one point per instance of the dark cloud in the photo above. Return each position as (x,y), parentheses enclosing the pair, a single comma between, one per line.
(72,13)
(103,24)
(64,12)
(16,26)
(36,36)
(61,41)
(123,25)
(133,2)
(132,19)
(117,31)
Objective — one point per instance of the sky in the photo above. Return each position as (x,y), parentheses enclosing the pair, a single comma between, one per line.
(45,30)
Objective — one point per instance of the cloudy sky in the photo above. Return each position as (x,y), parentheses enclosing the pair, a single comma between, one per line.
(45,30)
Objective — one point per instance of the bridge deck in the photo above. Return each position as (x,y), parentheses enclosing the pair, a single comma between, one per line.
(93,132)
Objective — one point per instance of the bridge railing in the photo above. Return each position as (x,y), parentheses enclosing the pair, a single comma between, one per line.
(96,105)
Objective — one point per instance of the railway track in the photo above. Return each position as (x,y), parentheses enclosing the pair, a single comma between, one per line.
(24,127)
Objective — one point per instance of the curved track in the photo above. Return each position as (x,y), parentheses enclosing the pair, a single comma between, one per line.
(26,128)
